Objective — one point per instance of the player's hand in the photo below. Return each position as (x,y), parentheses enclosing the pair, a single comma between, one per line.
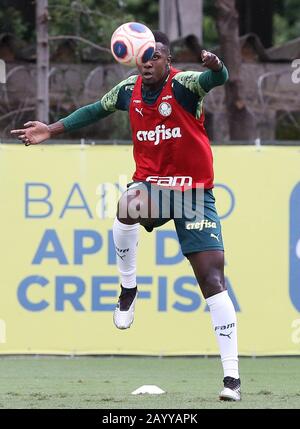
(211,61)
(34,132)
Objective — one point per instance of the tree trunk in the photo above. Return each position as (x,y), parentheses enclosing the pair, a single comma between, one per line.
(2,71)
(180,18)
(42,66)
(241,122)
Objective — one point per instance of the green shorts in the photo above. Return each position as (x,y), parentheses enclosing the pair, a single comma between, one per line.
(197,229)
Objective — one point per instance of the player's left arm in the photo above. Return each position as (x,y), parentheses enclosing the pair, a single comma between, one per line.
(216,75)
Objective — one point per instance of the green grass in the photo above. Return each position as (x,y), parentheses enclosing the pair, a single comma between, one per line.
(107,382)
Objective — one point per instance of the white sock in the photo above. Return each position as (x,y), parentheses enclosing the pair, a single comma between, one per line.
(224,322)
(126,241)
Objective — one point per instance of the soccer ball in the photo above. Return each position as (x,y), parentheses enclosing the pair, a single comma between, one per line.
(132,44)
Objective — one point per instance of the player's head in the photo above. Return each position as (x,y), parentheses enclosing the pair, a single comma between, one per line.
(156,70)
(162,38)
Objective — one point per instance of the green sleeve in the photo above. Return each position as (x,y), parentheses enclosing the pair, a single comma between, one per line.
(114,99)
(210,79)
(85,116)
(91,113)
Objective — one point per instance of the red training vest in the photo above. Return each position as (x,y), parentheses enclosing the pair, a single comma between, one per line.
(170,146)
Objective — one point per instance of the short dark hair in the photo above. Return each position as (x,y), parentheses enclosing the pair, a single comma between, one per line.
(161,37)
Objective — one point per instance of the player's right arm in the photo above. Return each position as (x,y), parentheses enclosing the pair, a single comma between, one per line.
(35,132)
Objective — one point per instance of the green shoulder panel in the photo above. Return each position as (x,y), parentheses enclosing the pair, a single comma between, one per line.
(190,80)
(109,100)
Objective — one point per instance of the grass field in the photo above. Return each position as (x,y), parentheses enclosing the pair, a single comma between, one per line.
(107,382)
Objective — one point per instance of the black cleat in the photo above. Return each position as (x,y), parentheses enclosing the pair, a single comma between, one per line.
(232,389)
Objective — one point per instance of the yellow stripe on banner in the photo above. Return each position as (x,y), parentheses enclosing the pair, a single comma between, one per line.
(59,281)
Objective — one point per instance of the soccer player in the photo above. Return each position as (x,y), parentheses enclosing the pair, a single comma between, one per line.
(171,148)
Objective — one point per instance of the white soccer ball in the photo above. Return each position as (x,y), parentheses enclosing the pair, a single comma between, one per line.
(132,44)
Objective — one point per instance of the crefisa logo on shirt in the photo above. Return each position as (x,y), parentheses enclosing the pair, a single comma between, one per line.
(165,109)
(160,133)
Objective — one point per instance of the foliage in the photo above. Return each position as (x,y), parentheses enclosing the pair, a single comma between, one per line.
(97,19)
(146,11)
(210,34)
(91,19)
(283,32)
(286,21)
(11,21)
(289,9)
(287,126)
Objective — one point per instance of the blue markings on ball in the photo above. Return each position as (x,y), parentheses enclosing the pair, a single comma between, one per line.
(120,49)
(139,28)
(147,55)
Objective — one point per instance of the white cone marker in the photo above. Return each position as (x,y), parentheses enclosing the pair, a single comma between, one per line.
(148,388)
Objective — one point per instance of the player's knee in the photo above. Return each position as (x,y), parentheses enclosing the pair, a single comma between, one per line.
(132,207)
(212,283)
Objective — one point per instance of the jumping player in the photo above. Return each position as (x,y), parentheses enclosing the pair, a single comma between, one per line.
(171,148)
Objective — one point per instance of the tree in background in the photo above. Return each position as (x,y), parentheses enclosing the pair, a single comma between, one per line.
(42,61)
(96,19)
(275,22)
(145,11)
(181,18)
(241,123)
(92,20)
